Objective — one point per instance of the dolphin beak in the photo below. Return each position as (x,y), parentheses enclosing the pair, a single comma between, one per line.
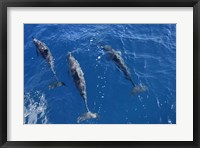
(34,40)
(68,56)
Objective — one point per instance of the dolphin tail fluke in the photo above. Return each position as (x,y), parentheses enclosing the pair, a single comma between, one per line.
(56,84)
(139,89)
(86,116)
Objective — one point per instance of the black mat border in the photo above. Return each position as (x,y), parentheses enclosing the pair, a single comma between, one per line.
(98,3)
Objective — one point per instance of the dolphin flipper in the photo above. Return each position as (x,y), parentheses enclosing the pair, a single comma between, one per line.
(117,68)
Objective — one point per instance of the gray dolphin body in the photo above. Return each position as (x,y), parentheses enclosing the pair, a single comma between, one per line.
(46,54)
(78,78)
(119,62)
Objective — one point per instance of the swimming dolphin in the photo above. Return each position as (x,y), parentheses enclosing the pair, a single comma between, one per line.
(119,62)
(78,77)
(46,54)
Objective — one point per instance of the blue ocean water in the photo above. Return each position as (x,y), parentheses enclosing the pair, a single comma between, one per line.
(148,50)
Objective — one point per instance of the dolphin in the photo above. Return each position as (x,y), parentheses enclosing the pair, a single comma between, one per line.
(78,78)
(46,54)
(115,56)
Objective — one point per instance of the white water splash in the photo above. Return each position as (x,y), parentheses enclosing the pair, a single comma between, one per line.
(35,106)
